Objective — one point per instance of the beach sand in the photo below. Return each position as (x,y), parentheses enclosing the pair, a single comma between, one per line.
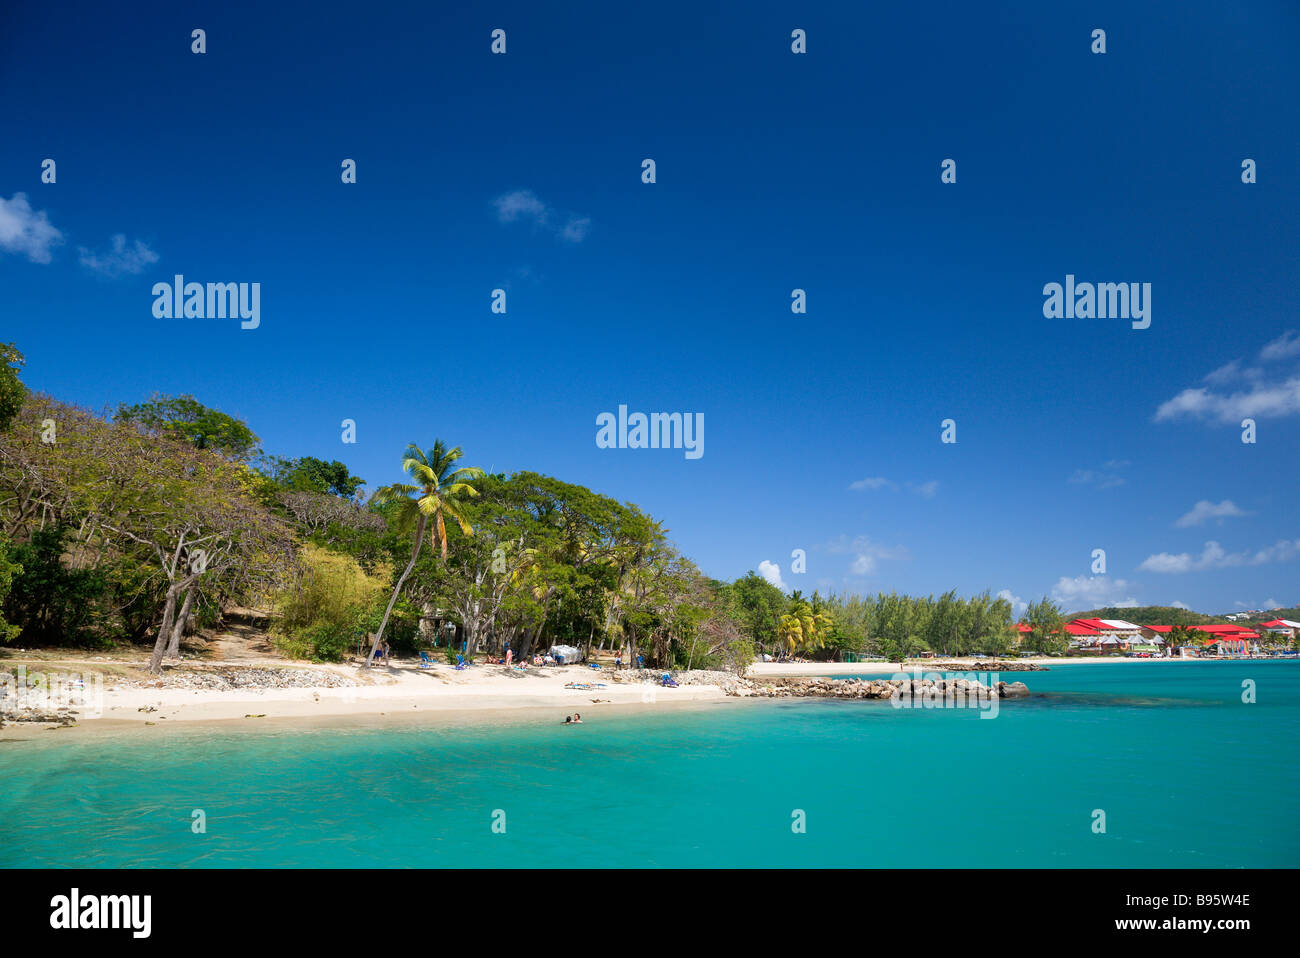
(403,688)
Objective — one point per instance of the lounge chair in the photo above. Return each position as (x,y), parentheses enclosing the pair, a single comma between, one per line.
(425,661)
(461,664)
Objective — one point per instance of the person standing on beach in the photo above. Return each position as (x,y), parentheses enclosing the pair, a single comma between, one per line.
(510,655)
(618,659)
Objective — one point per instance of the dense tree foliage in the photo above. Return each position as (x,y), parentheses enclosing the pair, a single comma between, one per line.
(309,474)
(186,419)
(151,524)
(12,391)
(1047,634)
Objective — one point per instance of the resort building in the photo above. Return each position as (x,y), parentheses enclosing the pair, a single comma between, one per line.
(1284,628)
(1107,634)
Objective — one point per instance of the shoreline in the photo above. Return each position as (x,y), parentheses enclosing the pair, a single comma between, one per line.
(779,669)
(401,690)
(405,693)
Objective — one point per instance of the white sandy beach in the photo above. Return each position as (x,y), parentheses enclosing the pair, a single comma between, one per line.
(401,689)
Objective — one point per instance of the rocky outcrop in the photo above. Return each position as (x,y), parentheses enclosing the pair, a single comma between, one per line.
(933,689)
(897,689)
(986,667)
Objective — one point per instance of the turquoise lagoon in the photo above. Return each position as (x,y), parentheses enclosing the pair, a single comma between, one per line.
(1185,772)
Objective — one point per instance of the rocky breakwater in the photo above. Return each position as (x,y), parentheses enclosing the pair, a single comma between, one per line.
(986,666)
(935,690)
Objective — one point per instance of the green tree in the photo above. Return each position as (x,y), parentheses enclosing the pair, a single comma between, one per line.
(437,490)
(1047,634)
(185,418)
(8,571)
(12,391)
(309,474)
(758,606)
(805,628)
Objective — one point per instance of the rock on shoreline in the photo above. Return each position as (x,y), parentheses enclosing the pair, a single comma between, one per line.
(986,667)
(790,687)
(933,689)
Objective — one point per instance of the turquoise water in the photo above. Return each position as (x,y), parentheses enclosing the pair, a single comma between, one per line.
(1186,774)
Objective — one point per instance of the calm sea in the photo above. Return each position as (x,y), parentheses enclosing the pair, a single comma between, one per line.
(1185,773)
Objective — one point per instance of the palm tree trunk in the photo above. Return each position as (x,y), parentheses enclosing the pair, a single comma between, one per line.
(415,551)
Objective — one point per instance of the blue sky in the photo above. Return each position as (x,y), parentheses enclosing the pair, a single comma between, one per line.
(775,171)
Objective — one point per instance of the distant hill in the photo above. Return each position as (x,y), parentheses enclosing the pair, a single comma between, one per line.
(1293,614)
(1149,615)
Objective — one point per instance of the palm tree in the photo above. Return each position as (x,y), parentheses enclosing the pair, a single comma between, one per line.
(804,628)
(435,493)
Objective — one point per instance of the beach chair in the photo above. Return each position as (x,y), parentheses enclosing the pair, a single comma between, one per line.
(461,664)
(425,661)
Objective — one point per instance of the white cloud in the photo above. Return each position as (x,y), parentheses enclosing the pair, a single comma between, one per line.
(120,258)
(511,206)
(867,554)
(26,231)
(1018,605)
(1261,401)
(1225,374)
(1100,478)
(1271,603)
(1284,347)
(575,230)
(1180,605)
(1093,592)
(1238,392)
(1214,556)
(772,573)
(926,490)
(1205,510)
(525,205)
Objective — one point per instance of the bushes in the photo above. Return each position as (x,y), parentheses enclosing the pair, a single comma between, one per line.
(330,605)
(48,601)
(8,570)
